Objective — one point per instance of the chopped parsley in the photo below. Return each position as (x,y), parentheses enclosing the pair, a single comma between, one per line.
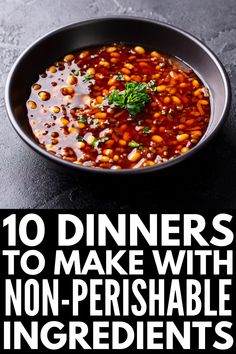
(89,120)
(120,77)
(80,138)
(82,119)
(134,144)
(101,106)
(76,72)
(87,78)
(163,112)
(133,98)
(96,142)
(146,130)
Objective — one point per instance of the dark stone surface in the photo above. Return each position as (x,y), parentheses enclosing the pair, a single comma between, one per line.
(27,181)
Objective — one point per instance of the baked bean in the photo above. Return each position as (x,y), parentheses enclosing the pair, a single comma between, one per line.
(115,55)
(32,105)
(176,100)
(127,78)
(134,155)
(69,57)
(129,66)
(44,96)
(125,71)
(56,109)
(195,83)
(64,121)
(54,134)
(108,152)
(52,69)
(136,78)
(157,138)
(161,88)
(122,142)
(104,63)
(36,87)
(100,115)
(99,99)
(182,137)
(84,54)
(81,125)
(154,54)
(184,149)
(111,82)
(71,80)
(139,50)
(99,76)
(67,90)
(111,49)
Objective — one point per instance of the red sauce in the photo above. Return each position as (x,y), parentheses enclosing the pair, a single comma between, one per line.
(73,116)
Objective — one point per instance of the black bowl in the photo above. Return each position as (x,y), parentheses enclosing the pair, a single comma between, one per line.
(130,30)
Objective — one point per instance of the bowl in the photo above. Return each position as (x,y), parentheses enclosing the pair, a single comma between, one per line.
(130,30)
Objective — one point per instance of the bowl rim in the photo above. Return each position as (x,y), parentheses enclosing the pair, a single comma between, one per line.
(155,168)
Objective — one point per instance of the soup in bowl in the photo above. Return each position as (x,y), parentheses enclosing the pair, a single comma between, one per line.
(102,96)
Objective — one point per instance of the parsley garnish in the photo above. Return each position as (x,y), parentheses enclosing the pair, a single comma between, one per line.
(133,98)
(96,142)
(101,106)
(92,120)
(134,144)
(87,78)
(146,130)
(120,77)
(163,112)
(76,72)
(82,119)
(80,138)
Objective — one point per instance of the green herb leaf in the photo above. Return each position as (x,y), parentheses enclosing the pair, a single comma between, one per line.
(76,72)
(87,78)
(146,130)
(134,144)
(133,98)
(82,119)
(80,138)
(96,142)
(120,77)
(163,112)
(90,120)
(100,106)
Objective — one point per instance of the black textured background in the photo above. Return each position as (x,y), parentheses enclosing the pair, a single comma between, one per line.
(28,181)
